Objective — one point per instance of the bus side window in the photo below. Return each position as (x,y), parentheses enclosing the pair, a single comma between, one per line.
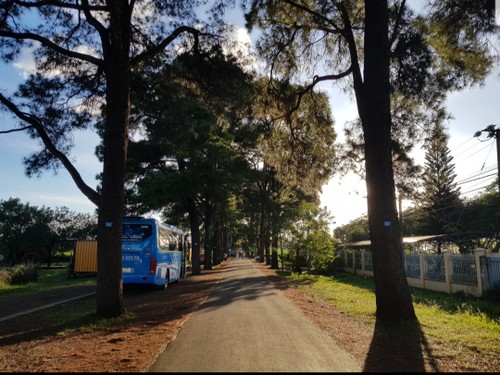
(173,243)
(163,239)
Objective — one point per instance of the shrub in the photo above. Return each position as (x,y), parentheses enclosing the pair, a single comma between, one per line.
(320,263)
(23,274)
(4,277)
(328,266)
(335,266)
(493,294)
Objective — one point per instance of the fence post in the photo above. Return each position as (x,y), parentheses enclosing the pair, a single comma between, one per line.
(421,261)
(447,271)
(478,253)
(363,252)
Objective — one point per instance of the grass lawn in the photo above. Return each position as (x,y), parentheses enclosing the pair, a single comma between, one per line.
(458,321)
(48,279)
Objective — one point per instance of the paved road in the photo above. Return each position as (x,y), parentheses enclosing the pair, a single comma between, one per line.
(247,325)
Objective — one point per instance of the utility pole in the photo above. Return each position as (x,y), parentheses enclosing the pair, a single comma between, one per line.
(497,136)
(493,132)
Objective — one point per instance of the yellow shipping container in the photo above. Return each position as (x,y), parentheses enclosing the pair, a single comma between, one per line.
(86,256)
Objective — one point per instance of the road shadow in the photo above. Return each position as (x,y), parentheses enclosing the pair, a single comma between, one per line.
(399,347)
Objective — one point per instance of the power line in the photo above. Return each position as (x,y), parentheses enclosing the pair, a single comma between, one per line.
(480,188)
(472,179)
(487,155)
(464,157)
(463,143)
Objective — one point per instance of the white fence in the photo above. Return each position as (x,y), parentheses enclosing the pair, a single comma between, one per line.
(449,273)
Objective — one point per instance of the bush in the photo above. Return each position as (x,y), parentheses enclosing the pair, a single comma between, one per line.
(320,263)
(23,274)
(4,277)
(335,266)
(493,294)
(328,266)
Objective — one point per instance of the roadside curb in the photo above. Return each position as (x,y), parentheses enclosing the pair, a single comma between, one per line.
(46,306)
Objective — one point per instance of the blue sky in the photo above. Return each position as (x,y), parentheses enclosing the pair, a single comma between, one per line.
(472,109)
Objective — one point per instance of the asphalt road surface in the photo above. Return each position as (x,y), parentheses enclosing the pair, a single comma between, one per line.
(246,325)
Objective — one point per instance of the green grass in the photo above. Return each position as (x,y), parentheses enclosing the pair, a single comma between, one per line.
(69,317)
(456,320)
(47,280)
(78,316)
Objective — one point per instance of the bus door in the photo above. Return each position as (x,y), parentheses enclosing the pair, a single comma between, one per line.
(169,254)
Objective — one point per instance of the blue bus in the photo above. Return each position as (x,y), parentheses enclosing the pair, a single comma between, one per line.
(151,252)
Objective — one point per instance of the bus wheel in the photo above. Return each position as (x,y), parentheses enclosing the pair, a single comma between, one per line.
(159,287)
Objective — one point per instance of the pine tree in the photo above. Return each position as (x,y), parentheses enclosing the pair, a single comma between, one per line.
(441,196)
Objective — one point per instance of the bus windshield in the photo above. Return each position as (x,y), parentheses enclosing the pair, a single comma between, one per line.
(136,232)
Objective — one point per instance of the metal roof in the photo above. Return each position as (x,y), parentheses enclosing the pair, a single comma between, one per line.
(451,237)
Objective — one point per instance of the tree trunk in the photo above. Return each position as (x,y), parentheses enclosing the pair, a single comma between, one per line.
(274,257)
(50,250)
(391,288)
(209,234)
(109,295)
(195,236)
(267,239)
(262,232)
(194,224)
(214,241)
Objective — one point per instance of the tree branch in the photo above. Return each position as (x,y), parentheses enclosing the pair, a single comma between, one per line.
(401,10)
(15,130)
(317,16)
(165,42)
(59,4)
(48,43)
(35,123)
(316,80)
(103,32)
(353,52)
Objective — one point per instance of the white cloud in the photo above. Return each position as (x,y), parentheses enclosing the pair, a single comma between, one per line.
(26,62)
(243,37)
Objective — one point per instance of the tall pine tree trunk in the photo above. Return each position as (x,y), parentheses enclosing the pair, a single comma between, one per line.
(109,297)
(209,235)
(194,222)
(262,233)
(267,238)
(391,288)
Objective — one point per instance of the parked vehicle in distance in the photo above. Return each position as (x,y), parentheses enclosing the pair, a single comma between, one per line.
(151,252)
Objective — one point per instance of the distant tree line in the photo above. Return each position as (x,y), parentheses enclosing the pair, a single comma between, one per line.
(31,233)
